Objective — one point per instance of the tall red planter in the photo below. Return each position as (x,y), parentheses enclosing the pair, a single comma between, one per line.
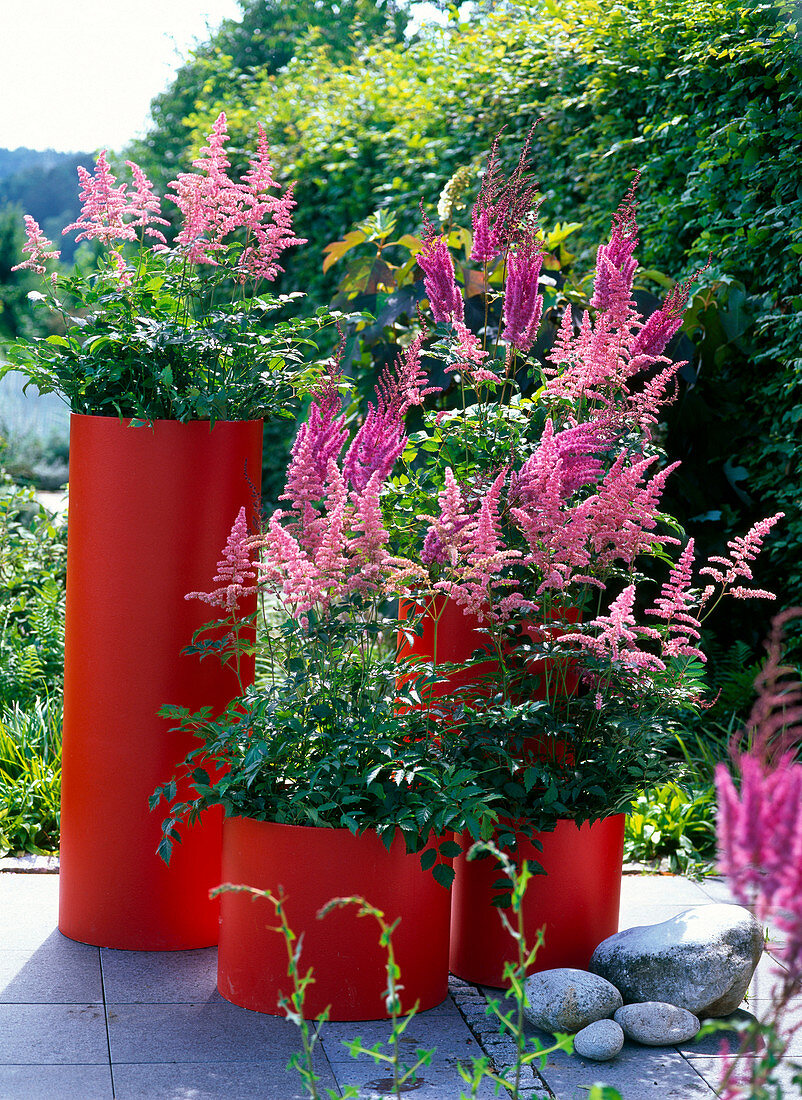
(312,866)
(150,510)
(577,900)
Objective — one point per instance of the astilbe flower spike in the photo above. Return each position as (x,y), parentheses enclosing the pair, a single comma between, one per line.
(617,635)
(523,302)
(266,217)
(615,262)
(104,206)
(38,247)
(234,570)
(760,825)
(743,550)
(654,336)
(434,260)
(208,200)
(502,205)
(145,205)
(675,606)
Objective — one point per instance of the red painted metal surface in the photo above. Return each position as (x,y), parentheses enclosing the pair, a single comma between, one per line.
(577,900)
(312,866)
(150,510)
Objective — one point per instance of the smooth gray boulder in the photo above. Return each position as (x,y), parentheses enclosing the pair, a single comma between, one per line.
(599,1041)
(568,999)
(701,960)
(656,1024)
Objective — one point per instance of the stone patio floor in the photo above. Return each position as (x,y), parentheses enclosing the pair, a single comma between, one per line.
(85,1023)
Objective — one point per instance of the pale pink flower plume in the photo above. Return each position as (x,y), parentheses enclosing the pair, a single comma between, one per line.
(743,550)
(144,205)
(234,570)
(38,247)
(617,636)
(675,606)
(105,204)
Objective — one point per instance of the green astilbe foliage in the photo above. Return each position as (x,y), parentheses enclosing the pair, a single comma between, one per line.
(30,777)
(33,555)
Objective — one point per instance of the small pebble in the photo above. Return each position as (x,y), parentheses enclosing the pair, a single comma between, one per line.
(599,1041)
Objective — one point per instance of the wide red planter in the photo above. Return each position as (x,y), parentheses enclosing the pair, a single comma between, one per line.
(311,866)
(577,900)
(150,510)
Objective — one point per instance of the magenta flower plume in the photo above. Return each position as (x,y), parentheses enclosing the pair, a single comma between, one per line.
(380,440)
(234,570)
(434,260)
(615,262)
(38,247)
(104,206)
(318,443)
(523,302)
(760,826)
(654,336)
(502,204)
(743,550)
(674,606)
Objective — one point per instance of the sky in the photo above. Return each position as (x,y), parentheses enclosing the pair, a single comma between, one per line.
(79,75)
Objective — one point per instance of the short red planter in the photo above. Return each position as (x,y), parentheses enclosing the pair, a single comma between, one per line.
(312,866)
(150,510)
(577,900)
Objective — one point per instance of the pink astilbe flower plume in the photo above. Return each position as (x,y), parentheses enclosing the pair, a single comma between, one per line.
(615,261)
(654,336)
(625,513)
(368,548)
(38,247)
(743,550)
(502,204)
(469,357)
(319,441)
(267,217)
(760,824)
(445,536)
(675,606)
(523,302)
(617,636)
(234,570)
(144,205)
(434,260)
(208,200)
(104,206)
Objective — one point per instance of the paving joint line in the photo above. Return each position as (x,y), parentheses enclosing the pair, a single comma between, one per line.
(106,1019)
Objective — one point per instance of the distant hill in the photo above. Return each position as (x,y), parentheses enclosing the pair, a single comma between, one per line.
(44,184)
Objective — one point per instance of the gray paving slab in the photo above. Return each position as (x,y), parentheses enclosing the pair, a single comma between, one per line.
(447,1035)
(639,1073)
(197,1033)
(57,971)
(269,1080)
(711,1069)
(28,910)
(639,890)
(434,1082)
(27,1082)
(53,1034)
(163,977)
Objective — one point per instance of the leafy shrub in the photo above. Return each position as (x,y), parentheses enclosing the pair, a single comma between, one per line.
(30,777)
(33,550)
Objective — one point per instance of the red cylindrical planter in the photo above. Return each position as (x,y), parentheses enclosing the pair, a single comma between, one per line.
(577,900)
(312,866)
(150,510)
